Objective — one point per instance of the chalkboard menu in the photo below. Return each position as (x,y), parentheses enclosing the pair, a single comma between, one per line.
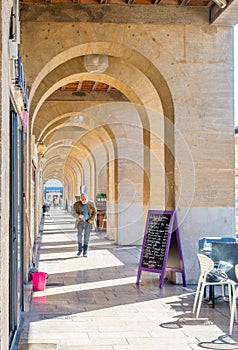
(161,249)
(156,241)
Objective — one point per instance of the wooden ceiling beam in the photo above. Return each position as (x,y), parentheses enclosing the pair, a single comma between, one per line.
(184,2)
(115,13)
(80,83)
(95,85)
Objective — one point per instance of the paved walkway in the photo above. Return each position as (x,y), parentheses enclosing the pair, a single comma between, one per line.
(93,303)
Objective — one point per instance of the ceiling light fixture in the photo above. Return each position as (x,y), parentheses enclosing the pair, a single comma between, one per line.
(76,119)
(67,142)
(96,63)
(41,148)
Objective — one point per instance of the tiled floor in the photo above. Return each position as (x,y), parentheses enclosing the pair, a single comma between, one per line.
(93,303)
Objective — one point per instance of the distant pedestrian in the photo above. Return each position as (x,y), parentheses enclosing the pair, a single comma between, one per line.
(55,202)
(85,212)
(44,209)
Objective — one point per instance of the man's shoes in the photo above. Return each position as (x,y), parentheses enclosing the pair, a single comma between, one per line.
(80,249)
(85,250)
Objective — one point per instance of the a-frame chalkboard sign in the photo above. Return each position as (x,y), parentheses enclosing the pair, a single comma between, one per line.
(161,248)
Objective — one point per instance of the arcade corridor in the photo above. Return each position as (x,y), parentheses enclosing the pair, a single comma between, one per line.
(93,303)
(134,102)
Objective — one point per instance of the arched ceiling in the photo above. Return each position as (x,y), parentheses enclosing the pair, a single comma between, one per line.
(64,90)
(70,117)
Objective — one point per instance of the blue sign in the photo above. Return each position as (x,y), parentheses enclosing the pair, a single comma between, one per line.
(53,189)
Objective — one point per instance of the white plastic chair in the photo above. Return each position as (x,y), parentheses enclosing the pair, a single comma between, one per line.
(206,265)
(233,308)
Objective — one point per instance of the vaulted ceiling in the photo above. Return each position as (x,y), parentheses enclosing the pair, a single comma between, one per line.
(119,11)
(90,89)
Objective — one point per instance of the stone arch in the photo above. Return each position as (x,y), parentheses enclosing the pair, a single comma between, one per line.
(129,80)
(89,38)
(159,86)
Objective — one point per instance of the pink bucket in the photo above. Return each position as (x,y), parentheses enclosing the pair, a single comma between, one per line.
(39,280)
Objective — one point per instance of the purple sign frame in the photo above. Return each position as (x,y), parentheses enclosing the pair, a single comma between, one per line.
(164,240)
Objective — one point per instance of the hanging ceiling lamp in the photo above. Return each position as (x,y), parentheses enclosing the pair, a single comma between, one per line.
(41,148)
(95,63)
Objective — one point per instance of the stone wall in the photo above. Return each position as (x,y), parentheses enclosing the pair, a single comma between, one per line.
(4,174)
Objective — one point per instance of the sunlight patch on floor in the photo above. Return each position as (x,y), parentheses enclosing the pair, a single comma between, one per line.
(95,244)
(63,262)
(47,238)
(85,286)
(61,246)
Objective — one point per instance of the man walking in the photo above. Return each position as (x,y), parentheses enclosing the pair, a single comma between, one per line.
(85,212)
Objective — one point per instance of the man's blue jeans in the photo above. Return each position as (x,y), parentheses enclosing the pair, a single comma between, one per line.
(84,230)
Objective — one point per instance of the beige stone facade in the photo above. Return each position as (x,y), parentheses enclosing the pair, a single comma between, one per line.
(167,142)
(186,164)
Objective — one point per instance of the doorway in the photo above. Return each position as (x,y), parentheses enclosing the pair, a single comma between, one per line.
(16,224)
